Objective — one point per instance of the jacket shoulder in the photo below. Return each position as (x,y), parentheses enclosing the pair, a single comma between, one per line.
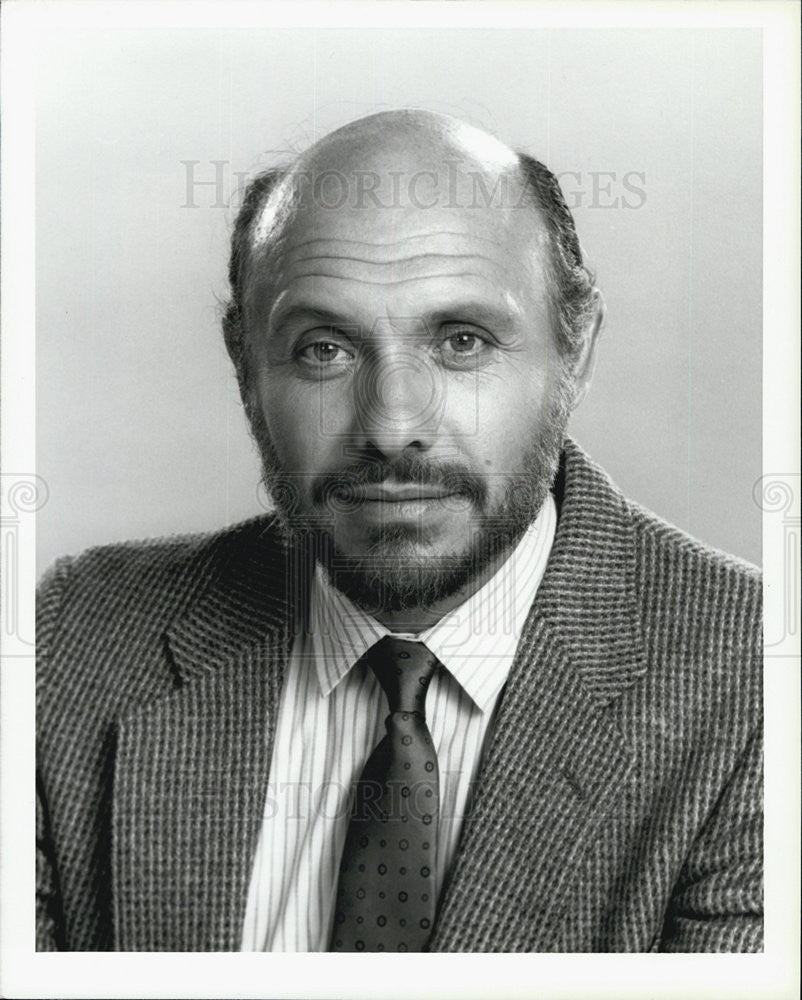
(120,597)
(672,537)
(169,553)
(700,609)
(674,582)
(667,553)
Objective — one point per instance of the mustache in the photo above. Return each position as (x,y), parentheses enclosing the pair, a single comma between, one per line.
(345,488)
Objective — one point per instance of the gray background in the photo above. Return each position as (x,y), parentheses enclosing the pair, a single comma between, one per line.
(139,427)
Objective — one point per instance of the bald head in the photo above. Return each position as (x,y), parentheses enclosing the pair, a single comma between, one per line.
(408,142)
(425,133)
(389,176)
(393,163)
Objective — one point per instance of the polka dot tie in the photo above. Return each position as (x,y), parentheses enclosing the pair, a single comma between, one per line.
(386,890)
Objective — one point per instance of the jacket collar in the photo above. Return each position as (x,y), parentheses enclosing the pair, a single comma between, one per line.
(253,593)
(588,592)
(191,767)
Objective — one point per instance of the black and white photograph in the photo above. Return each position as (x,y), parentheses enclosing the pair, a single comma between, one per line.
(407,422)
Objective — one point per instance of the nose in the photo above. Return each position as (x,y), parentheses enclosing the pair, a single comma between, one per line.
(398,402)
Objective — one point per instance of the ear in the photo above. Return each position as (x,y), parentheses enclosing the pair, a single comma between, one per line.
(586,362)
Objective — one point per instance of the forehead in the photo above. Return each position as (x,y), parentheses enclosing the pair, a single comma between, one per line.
(432,245)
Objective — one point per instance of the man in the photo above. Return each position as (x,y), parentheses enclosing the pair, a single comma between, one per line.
(457,694)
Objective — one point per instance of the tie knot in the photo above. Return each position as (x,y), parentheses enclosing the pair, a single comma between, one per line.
(404,669)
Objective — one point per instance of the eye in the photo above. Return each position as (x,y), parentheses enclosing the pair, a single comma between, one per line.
(324,354)
(462,344)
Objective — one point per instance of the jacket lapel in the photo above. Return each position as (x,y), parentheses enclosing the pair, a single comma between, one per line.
(557,762)
(191,767)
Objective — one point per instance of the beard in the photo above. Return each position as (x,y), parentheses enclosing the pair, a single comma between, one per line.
(393,574)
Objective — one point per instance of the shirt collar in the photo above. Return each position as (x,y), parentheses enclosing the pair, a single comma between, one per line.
(340,632)
(475,641)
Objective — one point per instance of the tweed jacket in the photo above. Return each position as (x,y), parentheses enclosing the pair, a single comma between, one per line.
(619,805)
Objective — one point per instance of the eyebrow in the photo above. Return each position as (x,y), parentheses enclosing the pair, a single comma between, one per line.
(464,310)
(300,312)
(471,310)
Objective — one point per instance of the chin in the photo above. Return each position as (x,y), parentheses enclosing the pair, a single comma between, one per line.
(401,571)
(395,584)
(403,541)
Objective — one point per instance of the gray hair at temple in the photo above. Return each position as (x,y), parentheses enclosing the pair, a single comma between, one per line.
(572,292)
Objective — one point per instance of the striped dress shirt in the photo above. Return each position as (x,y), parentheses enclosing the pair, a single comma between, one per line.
(331,717)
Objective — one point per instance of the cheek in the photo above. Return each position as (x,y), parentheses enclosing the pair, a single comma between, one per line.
(506,416)
(299,420)
(287,418)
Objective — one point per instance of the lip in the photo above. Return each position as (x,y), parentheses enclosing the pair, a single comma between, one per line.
(384,493)
(415,510)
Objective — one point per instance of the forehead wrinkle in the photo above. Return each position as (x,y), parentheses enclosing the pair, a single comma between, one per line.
(423,266)
(288,274)
(386,283)
(303,297)
(398,240)
(420,267)
(379,263)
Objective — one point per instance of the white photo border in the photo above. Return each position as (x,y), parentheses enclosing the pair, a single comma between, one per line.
(25,973)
